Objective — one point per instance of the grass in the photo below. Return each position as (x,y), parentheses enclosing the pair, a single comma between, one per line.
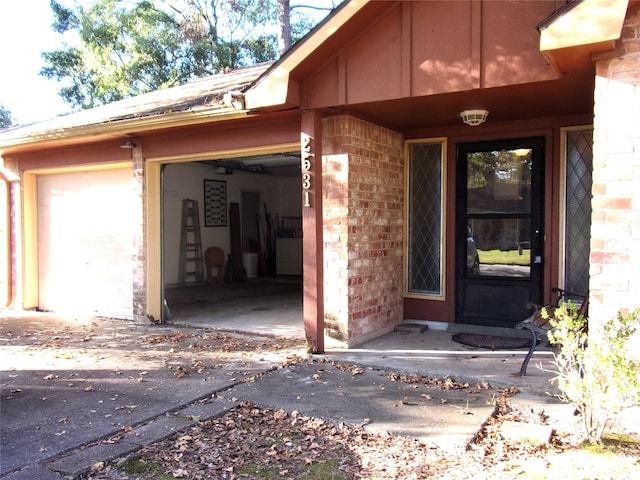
(505,257)
(328,469)
(137,466)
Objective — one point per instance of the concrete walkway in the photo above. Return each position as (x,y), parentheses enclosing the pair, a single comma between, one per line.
(434,354)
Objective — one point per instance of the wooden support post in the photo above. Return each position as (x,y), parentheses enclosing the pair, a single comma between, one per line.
(312,243)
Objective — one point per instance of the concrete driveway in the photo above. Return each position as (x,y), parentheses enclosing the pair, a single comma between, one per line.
(67,382)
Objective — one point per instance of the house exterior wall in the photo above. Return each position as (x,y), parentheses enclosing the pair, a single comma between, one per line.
(435,47)
(363,227)
(223,139)
(615,252)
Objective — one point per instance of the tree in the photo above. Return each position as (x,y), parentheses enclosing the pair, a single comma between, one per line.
(132,47)
(5,117)
(284,23)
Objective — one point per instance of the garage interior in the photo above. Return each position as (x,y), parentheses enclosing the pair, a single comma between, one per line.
(249,208)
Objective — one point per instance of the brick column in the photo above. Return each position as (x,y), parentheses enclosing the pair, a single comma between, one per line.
(615,249)
(363,177)
(15,234)
(139,250)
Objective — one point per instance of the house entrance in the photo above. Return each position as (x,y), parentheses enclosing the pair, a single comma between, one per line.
(499,231)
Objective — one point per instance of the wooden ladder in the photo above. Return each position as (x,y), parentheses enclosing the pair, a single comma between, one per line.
(191,265)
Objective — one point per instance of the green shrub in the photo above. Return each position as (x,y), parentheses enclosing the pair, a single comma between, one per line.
(595,371)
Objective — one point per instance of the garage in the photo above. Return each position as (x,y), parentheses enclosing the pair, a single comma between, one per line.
(249,208)
(85,244)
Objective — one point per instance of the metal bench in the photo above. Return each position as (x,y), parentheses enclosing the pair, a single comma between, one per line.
(539,325)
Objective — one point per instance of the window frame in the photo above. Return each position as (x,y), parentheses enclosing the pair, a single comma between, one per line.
(562,207)
(407,293)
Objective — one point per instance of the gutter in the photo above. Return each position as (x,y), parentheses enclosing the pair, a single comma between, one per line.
(567,7)
(59,129)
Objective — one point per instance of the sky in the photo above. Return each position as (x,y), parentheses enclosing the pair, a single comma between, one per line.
(25,32)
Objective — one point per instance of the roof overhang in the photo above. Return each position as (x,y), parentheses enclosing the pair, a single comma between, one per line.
(276,89)
(57,131)
(208,99)
(570,37)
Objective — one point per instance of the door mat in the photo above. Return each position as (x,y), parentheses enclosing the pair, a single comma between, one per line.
(491,342)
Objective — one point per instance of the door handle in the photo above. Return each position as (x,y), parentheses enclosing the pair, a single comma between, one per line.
(539,240)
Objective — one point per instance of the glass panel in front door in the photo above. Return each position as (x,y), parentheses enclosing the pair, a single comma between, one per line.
(499,216)
(499,211)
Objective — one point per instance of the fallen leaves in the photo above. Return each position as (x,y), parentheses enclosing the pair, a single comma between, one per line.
(259,443)
(127,408)
(253,442)
(354,369)
(173,337)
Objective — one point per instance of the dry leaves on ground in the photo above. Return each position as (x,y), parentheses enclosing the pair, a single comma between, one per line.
(259,443)
(249,442)
(182,351)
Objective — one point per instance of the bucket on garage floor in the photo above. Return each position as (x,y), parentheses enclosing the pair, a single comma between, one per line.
(250,263)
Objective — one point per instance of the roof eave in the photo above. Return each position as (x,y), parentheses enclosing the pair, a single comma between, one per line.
(275,89)
(40,135)
(591,26)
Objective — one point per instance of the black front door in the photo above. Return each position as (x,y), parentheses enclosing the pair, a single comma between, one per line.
(499,231)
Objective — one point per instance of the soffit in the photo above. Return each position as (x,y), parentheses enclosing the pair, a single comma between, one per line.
(568,96)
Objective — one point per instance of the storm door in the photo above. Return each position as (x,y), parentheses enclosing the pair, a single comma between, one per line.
(499,231)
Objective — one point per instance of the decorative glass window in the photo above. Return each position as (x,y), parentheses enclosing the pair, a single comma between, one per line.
(425,219)
(577,210)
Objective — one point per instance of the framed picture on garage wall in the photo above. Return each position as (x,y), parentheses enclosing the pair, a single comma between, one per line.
(215,203)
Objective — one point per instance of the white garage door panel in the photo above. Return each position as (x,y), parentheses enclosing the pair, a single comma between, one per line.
(85,242)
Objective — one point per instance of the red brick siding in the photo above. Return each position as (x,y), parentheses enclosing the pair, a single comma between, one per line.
(362,213)
(15,237)
(139,246)
(615,250)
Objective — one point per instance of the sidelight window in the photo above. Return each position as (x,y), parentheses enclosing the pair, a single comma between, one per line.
(577,209)
(425,219)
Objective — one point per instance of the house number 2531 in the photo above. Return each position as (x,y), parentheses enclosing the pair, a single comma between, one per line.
(306,157)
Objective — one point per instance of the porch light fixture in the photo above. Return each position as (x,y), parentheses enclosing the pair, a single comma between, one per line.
(128,144)
(474,117)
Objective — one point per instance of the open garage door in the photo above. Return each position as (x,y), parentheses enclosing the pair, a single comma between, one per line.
(266,193)
(85,223)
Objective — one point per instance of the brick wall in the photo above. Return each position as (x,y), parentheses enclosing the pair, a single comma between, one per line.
(363,214)
(615,249)
(139,250)
(15,236)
